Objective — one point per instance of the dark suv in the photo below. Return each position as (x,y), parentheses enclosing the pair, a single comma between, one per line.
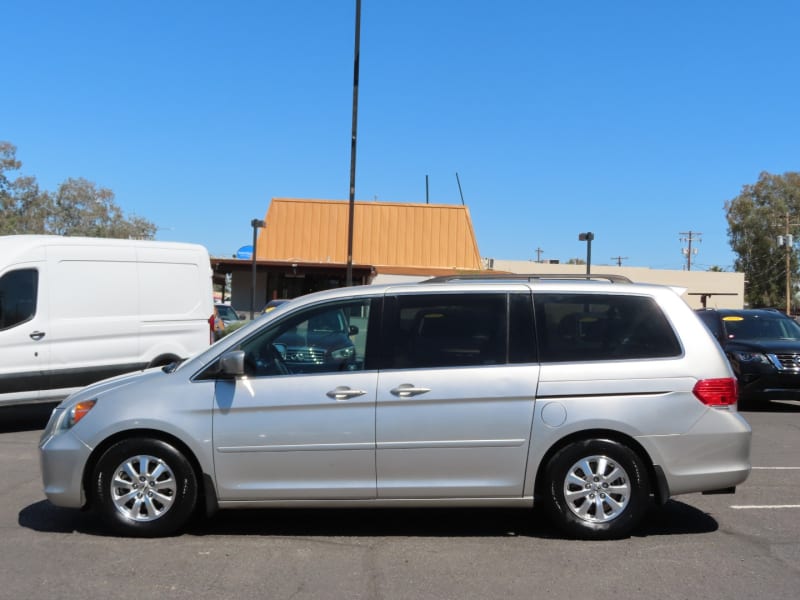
(763,347)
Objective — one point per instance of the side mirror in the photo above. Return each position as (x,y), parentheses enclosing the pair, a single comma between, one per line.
(280,348)
(353,330)
(231,364)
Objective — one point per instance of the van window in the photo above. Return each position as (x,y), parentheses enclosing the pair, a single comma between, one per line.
(324,339)
(18,291)
(594,327)
(446,330)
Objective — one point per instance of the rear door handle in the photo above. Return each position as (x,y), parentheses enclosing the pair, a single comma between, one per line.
(343,393)
(406,390)
(37,335)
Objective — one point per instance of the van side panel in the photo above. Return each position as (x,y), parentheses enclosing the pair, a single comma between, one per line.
(104,307)
(94,313)
(176,302)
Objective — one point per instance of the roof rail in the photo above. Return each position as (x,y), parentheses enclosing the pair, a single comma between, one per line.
(529,277)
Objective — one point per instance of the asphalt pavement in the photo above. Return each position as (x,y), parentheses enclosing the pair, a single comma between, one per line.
(745,545)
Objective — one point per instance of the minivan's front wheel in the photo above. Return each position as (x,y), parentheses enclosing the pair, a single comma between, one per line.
(144,487)
(596,489)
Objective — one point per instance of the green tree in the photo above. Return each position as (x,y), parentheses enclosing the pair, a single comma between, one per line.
(77,207)
(756,217)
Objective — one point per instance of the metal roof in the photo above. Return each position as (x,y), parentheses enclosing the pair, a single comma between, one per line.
(384,234)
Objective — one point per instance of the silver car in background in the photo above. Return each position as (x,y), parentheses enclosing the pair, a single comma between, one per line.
(588,398)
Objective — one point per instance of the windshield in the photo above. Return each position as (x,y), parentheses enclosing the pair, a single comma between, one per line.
(227,312)
(759,327)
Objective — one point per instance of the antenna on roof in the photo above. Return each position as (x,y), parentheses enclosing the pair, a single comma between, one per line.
(427,199)
(459,189)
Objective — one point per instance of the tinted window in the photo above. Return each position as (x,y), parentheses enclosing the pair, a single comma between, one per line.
(592,327)
(18,297)
(755,326)
(323,339)
(711,321)
(446,330)
(521,339)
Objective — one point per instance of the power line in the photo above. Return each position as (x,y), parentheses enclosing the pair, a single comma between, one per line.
(689,236)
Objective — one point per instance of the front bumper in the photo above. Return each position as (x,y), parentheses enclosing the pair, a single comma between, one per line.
(62,459)
(770,386)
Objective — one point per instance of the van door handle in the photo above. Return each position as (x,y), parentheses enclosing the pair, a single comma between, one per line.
(37,335)
(343,393)
(406,390)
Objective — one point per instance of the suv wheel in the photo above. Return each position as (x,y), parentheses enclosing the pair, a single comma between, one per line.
(144,487)
(596,489)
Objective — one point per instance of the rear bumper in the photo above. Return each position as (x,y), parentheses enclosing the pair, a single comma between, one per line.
(714,455)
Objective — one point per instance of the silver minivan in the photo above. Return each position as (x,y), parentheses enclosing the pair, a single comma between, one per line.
(590,399)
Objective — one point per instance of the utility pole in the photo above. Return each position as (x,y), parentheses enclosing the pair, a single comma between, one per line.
(689,237)
(619,259)
(539,253)
(787,241)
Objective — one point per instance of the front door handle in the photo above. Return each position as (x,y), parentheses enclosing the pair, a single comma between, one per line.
(406,390)
(343,393)
(37,335)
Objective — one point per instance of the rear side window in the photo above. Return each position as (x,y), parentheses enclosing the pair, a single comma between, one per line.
(18,290)
(595,327)
(445,330)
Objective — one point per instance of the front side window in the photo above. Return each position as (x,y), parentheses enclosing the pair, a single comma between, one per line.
(18,291)
(325,339)
(445,330)
(594,327)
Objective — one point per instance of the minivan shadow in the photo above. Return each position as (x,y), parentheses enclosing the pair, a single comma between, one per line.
(674,518)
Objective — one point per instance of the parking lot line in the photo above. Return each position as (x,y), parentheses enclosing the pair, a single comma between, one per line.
(775,468)
(764,506)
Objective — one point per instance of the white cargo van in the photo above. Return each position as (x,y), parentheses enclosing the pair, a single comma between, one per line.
(76,310)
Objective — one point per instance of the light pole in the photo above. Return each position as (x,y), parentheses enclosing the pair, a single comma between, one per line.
(587,237)
(256,224)
(353,138)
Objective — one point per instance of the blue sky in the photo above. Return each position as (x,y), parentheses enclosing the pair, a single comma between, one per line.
(634,120)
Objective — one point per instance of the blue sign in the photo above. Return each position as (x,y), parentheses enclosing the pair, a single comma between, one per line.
(245,252)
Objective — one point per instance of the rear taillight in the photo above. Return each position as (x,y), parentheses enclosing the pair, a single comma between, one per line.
(212,321)
(716,392)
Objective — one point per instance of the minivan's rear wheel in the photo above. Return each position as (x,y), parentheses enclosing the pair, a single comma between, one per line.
(144,487)
(596,489)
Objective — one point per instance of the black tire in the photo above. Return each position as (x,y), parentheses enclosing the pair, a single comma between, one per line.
(144,488)
(596,489)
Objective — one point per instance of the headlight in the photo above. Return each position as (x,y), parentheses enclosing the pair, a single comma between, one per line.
(750,357)
(72,415)
(343,353)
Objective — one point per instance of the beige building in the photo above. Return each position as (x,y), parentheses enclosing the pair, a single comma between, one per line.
(303,248)
(703,288)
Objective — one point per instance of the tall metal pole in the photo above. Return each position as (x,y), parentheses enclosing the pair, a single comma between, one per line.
(587,237)
(353,136)
(255,223)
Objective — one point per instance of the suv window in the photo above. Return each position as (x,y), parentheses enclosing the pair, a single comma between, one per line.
(593,327)
(18,297)
(323,339)
(456,330)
